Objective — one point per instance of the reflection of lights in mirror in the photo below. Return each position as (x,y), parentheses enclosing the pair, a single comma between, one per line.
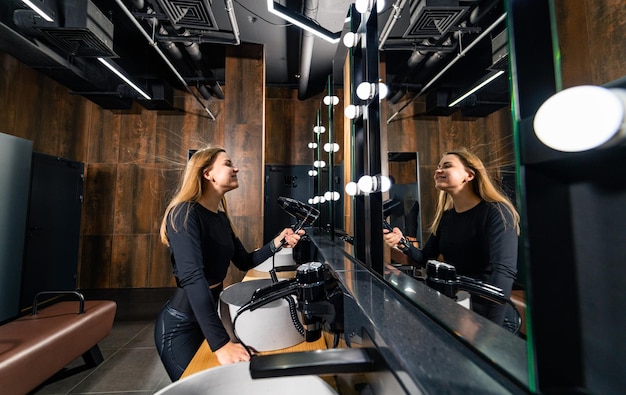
(331,195)
(485,82)
(353,112)
(319,163)
(368,184)
(351,40)
(582,118)
(317,200)
(366,90)
(312,145)
(364,6)
(319,129)
(331,100)
(328,147)
(312,173)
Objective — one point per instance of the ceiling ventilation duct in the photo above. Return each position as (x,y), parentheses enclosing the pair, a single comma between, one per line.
(434,18)
(193,14)
(500,52)
(86,31)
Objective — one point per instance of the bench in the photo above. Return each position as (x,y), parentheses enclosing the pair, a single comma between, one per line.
(35,347)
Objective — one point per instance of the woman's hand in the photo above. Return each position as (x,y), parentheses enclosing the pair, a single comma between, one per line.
(393,238)
(232,353)
(288,238)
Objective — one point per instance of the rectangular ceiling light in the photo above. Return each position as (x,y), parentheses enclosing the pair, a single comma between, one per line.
(302,22)
(117,72)
(477,87)
(38,8)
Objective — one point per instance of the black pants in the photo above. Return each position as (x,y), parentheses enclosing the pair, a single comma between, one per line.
(177,336)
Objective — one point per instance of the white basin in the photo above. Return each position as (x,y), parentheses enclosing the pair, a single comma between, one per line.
(267,328)
(235,379)
(283,257)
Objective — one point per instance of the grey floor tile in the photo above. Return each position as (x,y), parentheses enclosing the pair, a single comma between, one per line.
(137,369)
(122,333)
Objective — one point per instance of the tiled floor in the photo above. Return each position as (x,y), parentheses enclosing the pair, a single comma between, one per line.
(131,364)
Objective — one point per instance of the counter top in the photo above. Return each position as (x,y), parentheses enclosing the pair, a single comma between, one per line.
(426,337)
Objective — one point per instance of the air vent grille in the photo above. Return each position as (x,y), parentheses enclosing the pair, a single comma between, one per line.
(193,14)
(433,21)
(79,42)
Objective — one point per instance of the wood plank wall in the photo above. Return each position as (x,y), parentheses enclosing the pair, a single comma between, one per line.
(135,158)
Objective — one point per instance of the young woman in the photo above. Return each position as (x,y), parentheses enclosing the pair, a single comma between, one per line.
(475,229)
(202,244)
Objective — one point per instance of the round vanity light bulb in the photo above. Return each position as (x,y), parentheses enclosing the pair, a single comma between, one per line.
(382,90)
(319,129)
(328,147)
(310,201)
(351,188)
(331,100)
(366,184)
(312,173)
(385,183)
(350,40)
(352,111)
(312,145)
(316,199)
(365,91)
(319,163)
(331,196)
(581,118)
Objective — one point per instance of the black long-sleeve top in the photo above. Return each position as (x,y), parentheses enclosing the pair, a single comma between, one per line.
(201,249)
(480,243)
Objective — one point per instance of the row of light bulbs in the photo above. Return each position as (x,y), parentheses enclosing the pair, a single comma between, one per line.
(365,91)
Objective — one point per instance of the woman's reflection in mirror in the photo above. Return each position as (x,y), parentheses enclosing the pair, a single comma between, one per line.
(475,229)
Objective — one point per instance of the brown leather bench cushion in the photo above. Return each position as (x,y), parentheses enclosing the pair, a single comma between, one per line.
(33,348)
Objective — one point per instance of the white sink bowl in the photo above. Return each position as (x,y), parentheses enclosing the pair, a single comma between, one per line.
(235,379)
(267,328)
(283,257)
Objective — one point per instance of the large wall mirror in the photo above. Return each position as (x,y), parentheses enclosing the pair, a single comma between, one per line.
(448,87)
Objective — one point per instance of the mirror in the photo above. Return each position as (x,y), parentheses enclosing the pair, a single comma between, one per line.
(327,171)
(427,111)
(402,208)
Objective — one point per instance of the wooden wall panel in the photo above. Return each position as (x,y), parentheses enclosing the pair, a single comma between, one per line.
(94,270)
(98,208)
(244,136)
(592,38)
(160,265)
(130,259)
(135,199)
(103,135)
(280,118)
(137,136)
(9,67)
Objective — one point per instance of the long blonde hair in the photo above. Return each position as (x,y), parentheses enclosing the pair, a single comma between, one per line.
(190,189)
(483,185)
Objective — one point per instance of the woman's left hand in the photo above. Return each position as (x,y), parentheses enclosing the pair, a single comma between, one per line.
(288,237)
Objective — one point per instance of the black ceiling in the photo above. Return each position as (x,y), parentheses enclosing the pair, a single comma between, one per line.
(181,44)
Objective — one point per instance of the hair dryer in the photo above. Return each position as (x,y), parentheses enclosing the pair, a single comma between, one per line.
(303,213)
(319,298)
(442,277)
